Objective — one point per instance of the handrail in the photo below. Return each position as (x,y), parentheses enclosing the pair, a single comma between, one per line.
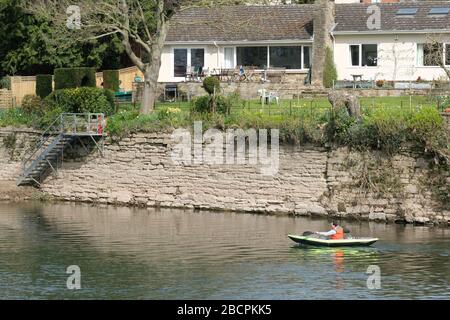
(58,125)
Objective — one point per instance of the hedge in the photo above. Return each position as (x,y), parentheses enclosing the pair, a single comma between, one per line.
(66,78)
(44,85)
(111,80)
(81,100)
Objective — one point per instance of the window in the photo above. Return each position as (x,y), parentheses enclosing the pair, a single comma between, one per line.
(195,57)
(286,57)
(354,53)
(429,54)
(306,57)
(252,56)
(406,12)
(362,55)
(369,55)
(439,11)
(229,58)
(198,58)
(180,62)
(447,54)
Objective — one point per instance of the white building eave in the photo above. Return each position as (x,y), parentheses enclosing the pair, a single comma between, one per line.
(242,42)
(390,32)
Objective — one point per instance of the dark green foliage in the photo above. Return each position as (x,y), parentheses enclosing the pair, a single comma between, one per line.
(5,83)
(44,85)
(80,100)
(203,104)
(329,72)
(210,83)
(66,78)
(30,45)
(32,104)
(111,80)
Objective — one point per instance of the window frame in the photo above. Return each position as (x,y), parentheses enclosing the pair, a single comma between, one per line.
(188,57)
(445,46)
(360,56)
(303,46)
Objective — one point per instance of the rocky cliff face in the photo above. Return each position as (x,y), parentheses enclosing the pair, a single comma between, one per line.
(311,181)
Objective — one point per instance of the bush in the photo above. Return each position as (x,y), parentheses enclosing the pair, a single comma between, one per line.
(32,104)
(210,83)
(44,85)
(203,104)
(81,100)
(66,78)
(111,80)
(379,83)
(5,83)
(329,72)
(427,126)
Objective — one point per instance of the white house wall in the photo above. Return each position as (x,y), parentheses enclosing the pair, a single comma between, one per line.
(396,58)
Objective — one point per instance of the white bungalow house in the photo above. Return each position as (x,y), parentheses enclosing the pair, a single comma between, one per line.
(293,37)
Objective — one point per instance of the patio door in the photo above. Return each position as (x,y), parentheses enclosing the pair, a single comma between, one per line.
(229,58)
(180,62)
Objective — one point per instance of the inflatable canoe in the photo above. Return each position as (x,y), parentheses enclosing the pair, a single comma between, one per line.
(333,243)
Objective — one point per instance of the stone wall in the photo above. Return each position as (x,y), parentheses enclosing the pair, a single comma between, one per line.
(14,144)
(311,181)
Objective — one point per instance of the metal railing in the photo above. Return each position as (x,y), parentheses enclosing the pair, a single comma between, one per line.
(381,84)
(82,123)
(78,124)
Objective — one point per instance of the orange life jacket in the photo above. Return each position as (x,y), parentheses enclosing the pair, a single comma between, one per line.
(339,234)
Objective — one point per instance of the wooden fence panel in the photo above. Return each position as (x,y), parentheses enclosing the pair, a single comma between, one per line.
(22,86)
(6,98)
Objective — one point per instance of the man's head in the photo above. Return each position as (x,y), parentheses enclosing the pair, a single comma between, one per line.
(334,224)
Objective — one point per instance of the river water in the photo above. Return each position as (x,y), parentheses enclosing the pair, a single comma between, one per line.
(126,253)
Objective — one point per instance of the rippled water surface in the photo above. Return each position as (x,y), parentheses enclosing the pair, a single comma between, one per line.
(176,254)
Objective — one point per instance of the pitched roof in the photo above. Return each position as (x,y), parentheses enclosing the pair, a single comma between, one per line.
(243,23)
(353,17)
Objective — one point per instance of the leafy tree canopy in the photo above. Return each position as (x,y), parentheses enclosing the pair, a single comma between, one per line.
(25,48)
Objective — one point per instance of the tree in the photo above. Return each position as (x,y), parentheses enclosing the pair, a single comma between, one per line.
(26,51)
(329,70)
(141,22)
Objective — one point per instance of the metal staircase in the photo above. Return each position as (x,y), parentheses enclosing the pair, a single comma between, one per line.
(48,154)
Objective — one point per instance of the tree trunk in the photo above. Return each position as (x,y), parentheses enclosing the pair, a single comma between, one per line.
(150,91)
(151,72)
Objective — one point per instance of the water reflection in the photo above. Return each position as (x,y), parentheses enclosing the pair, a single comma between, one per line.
(168,254)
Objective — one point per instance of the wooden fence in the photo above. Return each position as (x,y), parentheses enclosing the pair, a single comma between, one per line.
(6,98)
(22,86)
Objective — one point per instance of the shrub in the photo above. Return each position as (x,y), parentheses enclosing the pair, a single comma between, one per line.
(111,80)
(329,72)
(32,104)
(66,78)
(427,126)
(210,83)
(5,83)
(44,85)
(203,104)
(379,83)
(81,100)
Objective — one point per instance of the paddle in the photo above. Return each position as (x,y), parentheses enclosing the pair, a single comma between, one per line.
(307,233)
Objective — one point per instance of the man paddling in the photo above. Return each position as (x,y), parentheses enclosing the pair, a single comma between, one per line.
(336,232)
